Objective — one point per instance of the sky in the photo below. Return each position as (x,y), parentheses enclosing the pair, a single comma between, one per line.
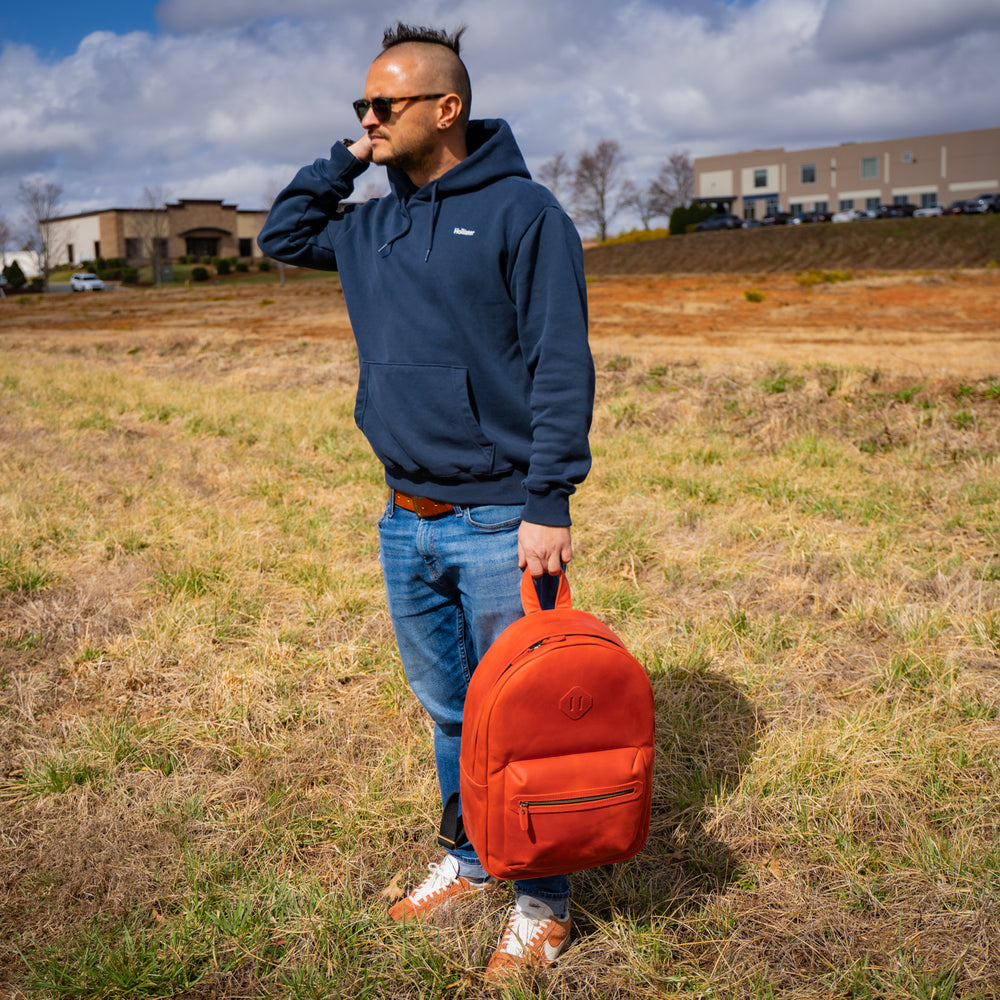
(227,98)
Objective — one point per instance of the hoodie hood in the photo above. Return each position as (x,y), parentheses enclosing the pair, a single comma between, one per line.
(493,154)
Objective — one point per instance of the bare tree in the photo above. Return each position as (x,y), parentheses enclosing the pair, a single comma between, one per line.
(6,235)
(598,185)
(555,174)
(41,202)
(674,184)
(642,201)
(152,229)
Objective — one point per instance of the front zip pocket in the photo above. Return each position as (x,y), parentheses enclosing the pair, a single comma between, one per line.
(542,805)
(567,813)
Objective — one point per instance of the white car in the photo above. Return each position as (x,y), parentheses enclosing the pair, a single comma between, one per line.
(846,215)
(928,211)
(86,282)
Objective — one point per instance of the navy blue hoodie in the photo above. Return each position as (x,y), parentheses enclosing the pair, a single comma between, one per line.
(468,304)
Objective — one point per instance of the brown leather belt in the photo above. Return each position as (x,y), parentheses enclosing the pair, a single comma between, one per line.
(421,506)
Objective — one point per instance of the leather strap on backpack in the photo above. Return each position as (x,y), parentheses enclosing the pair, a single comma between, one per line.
(545,593)
(451,833)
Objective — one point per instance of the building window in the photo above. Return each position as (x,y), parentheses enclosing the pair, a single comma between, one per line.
(808,173)
(246,247)
(202,246)
(900,199)
(927,199)
(846,204)
(69,253)
(773,206)
(760,177)
(821,206)
(132,248)
(97,249)
(869,167)
(873,204)
(795,208)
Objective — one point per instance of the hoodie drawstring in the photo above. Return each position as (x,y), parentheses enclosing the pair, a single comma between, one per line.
(433,222)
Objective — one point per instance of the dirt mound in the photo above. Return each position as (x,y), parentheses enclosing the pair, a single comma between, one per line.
(887,244)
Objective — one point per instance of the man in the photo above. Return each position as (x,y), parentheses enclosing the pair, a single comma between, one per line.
(466,294)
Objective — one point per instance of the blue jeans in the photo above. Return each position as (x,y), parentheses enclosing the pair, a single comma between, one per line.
(453,586)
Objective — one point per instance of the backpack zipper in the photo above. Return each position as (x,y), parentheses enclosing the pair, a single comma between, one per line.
(527,804)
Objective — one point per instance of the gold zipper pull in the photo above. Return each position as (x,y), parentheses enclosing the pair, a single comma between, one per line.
(524,817)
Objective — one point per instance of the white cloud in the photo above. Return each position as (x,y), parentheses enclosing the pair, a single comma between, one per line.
(192,16)
(237,93)
(863,28)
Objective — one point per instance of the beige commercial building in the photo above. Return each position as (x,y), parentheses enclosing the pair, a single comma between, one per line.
(924,170)
(199,226)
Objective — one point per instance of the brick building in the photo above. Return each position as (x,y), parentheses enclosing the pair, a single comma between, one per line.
(201,226)
(924,170)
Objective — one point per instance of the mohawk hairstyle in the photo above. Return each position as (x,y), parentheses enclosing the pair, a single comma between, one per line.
(400,33)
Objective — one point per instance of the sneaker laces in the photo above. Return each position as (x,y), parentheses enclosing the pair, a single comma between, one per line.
(442,874)
(527,921)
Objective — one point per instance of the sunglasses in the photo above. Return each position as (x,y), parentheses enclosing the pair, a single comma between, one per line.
(382,106)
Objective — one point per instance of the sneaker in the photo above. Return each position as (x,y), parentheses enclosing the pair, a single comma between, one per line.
(534,938)
(442,886)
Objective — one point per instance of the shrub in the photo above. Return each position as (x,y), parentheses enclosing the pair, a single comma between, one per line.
(242,266)
(199,274)
(637,236)
(14,275)
(752,295)
(685,216)
(223,266)
(264,265)
(114,269)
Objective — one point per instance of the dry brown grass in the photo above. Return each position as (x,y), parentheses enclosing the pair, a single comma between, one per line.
(211,768)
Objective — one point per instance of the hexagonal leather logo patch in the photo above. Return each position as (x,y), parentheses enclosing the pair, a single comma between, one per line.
(576,703)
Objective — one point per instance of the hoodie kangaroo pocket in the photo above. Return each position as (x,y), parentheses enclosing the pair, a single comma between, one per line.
(422,419)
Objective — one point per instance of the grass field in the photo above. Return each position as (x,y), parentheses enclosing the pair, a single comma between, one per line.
(213,776)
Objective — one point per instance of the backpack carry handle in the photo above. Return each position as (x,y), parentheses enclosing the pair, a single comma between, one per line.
(544,593)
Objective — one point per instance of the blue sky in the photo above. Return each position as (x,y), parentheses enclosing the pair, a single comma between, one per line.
(226,98)
(55,29)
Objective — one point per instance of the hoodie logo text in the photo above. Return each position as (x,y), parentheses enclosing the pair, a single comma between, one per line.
(458,231)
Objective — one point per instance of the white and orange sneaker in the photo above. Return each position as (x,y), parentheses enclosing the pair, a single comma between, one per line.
(533,938)
(442,887)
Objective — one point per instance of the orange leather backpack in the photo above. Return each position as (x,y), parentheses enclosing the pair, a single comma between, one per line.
(557,744)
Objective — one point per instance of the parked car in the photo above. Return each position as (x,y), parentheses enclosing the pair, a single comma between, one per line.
(723,220)
(780,219)
(815,217)
(956,208)
(898,210)
(86,282)
(984,203)
(846,215)
(928,211)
